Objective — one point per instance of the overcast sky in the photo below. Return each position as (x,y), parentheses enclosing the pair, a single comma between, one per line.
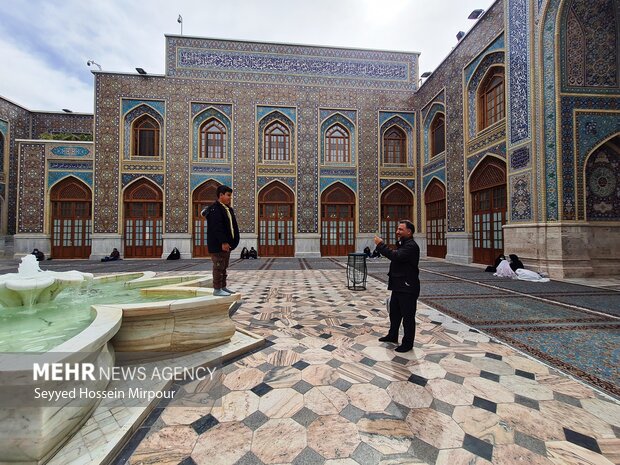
(44,45)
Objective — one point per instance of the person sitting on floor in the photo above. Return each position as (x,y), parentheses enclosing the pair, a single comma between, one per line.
(252,253)
(244,253)
(498,260)
(367,251)
(115,255)
(375,254)
(40,255)
(504,270)
(515,263)
(174,255)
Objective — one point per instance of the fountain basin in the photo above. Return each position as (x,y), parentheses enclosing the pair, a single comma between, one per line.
(178,325)
(31,432)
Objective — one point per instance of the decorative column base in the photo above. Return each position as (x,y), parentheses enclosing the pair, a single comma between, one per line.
(103,244)
(421,241)
(460,247)
(24,243)
(181,241)
(247,240)
(307,245)
(363,240)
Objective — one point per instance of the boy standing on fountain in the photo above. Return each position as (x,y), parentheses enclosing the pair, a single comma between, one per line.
(222,237)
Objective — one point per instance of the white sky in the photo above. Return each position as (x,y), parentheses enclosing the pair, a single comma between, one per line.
(44,45)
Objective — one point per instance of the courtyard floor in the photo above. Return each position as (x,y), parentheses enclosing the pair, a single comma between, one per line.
(502,372)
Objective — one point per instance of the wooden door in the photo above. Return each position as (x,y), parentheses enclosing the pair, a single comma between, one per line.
(202,197)
(276,221)
(488,191)
(143,207)
(396,205)
(71,219)
(435,201)
(337,221)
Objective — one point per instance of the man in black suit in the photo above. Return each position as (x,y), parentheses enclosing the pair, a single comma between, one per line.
(222,237)
(404,282)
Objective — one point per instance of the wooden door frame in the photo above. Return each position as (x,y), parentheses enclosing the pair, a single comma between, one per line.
(435,192)
(159,199)
(395,190)
(56,198)
(332,190)
(263,199)
(487,176)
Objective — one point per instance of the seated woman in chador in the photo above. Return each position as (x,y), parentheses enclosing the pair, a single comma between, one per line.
(498,260)
(515,262)
(252,253)
(174,255)
(40,255)
(244,253)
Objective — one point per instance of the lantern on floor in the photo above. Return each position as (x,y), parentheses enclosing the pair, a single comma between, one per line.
(356,271)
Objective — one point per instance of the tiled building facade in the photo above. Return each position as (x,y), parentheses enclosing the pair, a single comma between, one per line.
(326,146)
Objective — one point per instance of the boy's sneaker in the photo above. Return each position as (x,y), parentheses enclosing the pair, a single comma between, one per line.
(221,292)
(228,290)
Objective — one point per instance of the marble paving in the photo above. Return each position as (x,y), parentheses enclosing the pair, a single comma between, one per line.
(324,390)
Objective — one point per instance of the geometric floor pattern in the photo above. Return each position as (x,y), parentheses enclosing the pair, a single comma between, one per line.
(324,390)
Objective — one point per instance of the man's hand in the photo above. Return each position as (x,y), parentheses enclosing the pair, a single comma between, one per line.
(378,240)
(226,247)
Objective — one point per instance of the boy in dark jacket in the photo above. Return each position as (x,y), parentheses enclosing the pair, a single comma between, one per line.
(404,283)
(222,237)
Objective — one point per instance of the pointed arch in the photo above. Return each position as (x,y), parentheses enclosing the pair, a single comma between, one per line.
(277,142)
(491,97)
(211,136)
(436,221)
(70,188)
(437,134)
(338,146)
(337,220)
(276,219)
(487,186)
(394,146)
(145,136)
(489,172)
(143,219)
(276,138)
(212,140)
(202,196)
(396,205)
(435,108)
(601,178)
(143,141)
(71,218)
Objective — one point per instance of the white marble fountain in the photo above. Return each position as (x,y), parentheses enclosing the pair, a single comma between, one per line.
(137,312)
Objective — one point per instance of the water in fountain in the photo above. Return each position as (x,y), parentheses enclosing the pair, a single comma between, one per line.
(35,318)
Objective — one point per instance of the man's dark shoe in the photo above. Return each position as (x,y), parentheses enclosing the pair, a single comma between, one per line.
(402,348)
(388,339)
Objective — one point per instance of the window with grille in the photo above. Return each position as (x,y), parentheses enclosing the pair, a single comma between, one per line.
(394,147)
(491,98)
(212,140)
(146,137)
(337,147)
(438,134)
(277,142)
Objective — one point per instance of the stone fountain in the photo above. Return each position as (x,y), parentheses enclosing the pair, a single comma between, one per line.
(131,312)
(30,285)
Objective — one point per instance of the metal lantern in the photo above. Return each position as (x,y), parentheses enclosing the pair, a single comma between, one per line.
(356,271)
